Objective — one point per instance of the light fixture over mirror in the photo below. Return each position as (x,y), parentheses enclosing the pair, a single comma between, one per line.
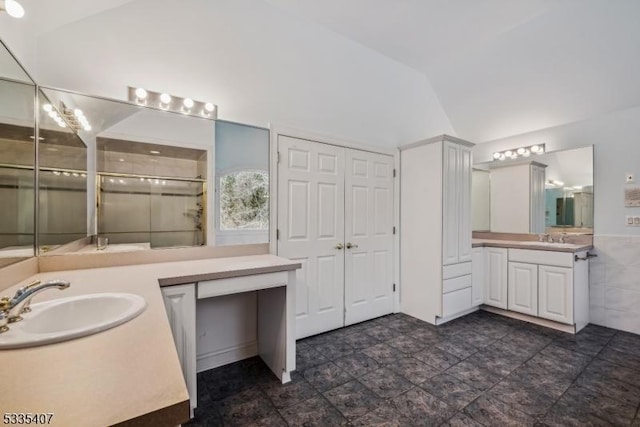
(12,7)
(164,101)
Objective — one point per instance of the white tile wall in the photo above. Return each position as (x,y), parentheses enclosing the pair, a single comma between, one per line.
(615,282)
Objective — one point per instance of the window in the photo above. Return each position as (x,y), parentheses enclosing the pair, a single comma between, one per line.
(244,200)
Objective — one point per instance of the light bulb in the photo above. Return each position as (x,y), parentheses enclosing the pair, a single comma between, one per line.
(526,153)
(535,148)
(496,155)
(521,151)
(47,107)
(13,8)
(209,107)
(165,98)
(188,102)
(508,153)
(502,157)
(141,94)
(541,150)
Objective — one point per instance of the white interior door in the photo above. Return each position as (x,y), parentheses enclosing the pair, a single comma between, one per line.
(368,235)
(311,229)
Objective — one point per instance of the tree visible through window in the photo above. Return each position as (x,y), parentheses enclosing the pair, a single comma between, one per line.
(244,201)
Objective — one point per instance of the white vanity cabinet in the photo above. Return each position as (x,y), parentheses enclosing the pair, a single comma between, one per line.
(522,288)
(435,229)
(477,277)
(555,293)
(180,304)
(550,285)
(495,277)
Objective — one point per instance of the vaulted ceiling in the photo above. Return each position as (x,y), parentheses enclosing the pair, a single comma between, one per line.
(497,67)
(501,67)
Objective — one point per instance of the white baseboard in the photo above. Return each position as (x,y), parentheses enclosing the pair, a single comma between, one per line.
(215,359)
(443,320)
(571,329)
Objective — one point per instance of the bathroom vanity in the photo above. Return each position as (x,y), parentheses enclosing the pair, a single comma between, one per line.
(132,374)
(545,283)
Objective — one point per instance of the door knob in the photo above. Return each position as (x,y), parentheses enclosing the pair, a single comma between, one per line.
(339,246)
(351,245)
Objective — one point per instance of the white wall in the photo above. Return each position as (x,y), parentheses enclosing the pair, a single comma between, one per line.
(259,64)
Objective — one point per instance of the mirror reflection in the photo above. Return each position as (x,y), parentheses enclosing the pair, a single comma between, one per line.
(17,158)
(148,174)
(62,173)
(548,193)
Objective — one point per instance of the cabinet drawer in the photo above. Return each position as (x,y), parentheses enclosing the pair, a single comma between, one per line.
(456,270)
(455,284)
(559,259)
(234,285)
(456,302)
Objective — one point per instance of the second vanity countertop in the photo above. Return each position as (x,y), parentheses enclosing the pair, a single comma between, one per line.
(533,245)
(129,374)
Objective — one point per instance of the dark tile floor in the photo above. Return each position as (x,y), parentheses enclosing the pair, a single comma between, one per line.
(482,369)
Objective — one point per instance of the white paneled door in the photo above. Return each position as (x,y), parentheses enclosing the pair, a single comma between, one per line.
(311,230)
(335,216)
(368,235)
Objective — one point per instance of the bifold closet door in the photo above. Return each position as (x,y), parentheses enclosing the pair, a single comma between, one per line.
(368,236)
(311,229)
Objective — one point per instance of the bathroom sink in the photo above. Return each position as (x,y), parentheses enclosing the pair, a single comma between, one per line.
(121,247)
(552,245)
(68,318)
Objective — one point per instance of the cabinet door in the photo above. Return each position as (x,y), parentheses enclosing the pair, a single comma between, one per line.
(477,277)
(464,213)
(555,287)
(451,203)
(522,291)
(180,304)
(495,287)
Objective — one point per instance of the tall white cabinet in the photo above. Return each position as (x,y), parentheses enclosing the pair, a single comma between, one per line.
(517,197)
(435,229)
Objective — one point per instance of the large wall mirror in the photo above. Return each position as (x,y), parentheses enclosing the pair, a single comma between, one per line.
(62,173)
(130,176)
(17,161)
(158,179)
(547,193)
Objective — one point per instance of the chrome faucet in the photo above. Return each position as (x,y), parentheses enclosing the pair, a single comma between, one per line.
(545,237)
(14,307)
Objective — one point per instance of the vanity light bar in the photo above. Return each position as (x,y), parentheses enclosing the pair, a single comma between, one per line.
(515,153)
(167,102)
(64,116)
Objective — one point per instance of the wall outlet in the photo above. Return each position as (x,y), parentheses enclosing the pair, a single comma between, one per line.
(629,220)
(636,221)
(633,221)
(630,178)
